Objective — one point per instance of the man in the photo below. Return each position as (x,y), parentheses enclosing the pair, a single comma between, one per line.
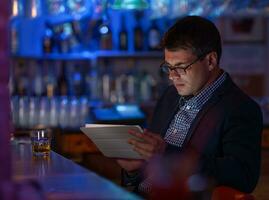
(202,112)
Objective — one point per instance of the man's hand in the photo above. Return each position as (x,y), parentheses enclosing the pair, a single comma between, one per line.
(150,144)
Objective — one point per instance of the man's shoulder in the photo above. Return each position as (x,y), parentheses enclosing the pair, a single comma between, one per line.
(238,98)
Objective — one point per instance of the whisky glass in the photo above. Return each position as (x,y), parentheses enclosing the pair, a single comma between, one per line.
(41,142)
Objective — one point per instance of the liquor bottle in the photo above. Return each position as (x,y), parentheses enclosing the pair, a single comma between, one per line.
(14,35)
(131,92)
(92,34)
(154,37)
(56,38)
(76,82)
(11,85)
(76,31)
(94,84)
(13,81)
(105,33)
(75,36)
(147,83)
(62,82)
(17,11)
(105,37)
(61,39)
(64,40)
(23,84)
(123,37)
(107,78)
(47,41)
(50,80)
(38,82)
(138,34)
(120,88)
(22,79)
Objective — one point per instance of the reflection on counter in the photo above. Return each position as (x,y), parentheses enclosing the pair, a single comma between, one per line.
(61,178)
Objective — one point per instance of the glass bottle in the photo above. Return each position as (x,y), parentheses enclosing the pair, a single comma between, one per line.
(50,79)
(107,78)
(47,40)
(38,82)
(147,83)
(14,36)
(23,82)
(123,36)
(76,82)
(154,36)
(105,37)
(62,82)
(138,33)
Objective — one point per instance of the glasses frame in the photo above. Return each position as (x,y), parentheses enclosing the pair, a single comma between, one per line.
(167,68)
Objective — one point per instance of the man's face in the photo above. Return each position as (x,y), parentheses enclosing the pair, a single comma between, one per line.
(194,78)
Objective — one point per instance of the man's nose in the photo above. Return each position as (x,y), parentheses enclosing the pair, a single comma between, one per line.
(173,75)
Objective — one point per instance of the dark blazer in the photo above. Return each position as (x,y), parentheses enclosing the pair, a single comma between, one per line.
(226,133)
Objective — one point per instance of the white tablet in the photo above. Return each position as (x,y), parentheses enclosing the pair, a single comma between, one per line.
(112,139)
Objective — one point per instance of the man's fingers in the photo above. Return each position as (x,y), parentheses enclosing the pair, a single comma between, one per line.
(143,146)
(146,137)
(147,144)
(145,154)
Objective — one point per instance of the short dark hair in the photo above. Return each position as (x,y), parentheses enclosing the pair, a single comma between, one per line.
(193,32)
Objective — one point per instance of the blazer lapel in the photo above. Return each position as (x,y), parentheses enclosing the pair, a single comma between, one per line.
(174,108)
(209,104)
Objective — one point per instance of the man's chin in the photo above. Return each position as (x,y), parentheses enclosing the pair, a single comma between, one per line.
(181,93)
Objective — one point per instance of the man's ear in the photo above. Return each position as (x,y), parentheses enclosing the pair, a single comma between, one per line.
(212,60)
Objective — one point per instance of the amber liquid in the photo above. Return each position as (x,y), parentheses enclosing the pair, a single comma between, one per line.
(41,147)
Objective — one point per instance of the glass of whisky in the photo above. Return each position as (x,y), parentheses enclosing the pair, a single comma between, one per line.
(40,140)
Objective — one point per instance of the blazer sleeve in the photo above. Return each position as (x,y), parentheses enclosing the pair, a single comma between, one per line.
(239,163)
(135,178)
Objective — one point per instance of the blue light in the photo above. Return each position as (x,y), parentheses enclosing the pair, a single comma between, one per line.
(103,30)
(126,108)
(77,77)
(129,111)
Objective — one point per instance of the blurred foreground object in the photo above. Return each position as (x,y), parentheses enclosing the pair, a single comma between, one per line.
(224,193)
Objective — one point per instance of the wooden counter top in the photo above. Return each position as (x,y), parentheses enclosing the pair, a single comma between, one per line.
(61,178)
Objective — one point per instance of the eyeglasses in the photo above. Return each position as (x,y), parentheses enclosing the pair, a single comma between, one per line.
(179,69)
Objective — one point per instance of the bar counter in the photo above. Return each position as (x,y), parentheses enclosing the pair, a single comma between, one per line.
(61,178)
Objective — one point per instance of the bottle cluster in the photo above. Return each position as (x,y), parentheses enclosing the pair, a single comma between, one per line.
(106,83)
(125,34)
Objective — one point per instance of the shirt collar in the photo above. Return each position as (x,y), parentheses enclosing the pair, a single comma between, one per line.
(196,102)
